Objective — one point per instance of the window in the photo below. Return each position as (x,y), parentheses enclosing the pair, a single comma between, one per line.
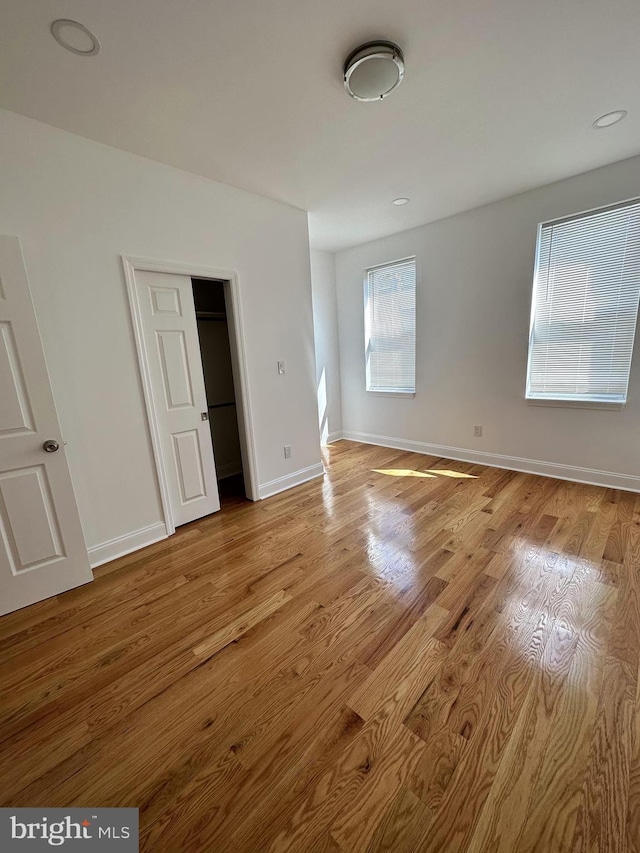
(390,327)
(585,306)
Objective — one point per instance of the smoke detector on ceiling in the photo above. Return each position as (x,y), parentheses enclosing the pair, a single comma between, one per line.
(373,70)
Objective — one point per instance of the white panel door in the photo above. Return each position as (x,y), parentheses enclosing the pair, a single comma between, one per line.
(171,341)
(42,548)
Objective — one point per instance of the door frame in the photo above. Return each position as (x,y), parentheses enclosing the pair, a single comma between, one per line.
(131,265)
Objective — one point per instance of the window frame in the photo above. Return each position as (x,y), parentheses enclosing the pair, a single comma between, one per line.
(568,402)
(389,392)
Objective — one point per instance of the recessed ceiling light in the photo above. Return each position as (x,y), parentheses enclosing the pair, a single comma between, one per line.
(373,70)
(400,201)
(75,37)
(610,118)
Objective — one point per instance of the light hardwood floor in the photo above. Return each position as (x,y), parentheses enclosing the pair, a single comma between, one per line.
(412,654)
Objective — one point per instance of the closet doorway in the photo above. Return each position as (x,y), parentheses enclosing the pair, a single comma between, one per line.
(189,336)
(210,303)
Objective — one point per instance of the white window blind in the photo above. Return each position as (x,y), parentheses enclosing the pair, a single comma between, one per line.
(585,306)
(390,327)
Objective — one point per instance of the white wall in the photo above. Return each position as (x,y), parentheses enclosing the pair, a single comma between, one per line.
(77,206)
(325,322)
(473,302)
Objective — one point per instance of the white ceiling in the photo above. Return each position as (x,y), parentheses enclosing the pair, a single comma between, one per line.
(499,96)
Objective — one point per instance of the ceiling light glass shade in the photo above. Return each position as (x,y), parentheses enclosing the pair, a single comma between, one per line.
(373,70)
(75,37)
(610,118)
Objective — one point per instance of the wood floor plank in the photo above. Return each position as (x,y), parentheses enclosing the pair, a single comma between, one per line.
(411,654)
(413,607)
(602,816)
(455,820)
(465,664)
(227,630)
(625,642)
(633,805)
(501,822)
(409,664)
(624,526)
(383,750)
(463,613)
(387,764)
(402,825)
(433,771)
(555,795)
(259,821)
(265,792)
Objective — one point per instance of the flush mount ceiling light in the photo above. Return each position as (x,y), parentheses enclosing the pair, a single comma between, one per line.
(373,70)
(610,118)
(400,201)
(75,37)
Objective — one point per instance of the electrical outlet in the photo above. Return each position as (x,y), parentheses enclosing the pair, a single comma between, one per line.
(477,431)
(281,368)
(287,451)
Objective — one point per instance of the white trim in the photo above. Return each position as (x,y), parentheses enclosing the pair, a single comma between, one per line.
(130,266)
(582,213)
(574,404)
(334,436)
(367,286)
(389,393)
(591,476)
(391,263)
(235,324)
(296,479)
(121,545)
(568,403)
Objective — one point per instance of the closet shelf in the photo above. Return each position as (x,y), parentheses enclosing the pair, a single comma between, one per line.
(221,405)
(211,315)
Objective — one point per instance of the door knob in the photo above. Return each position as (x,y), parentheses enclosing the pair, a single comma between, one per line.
(50,445)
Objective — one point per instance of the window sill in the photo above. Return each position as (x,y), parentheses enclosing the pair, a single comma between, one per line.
(408,394)
(576,404)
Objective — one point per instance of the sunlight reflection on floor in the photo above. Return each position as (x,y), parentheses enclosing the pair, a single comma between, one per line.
(448,473)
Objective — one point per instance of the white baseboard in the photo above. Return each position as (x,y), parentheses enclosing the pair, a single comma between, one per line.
(334,436)
(591,476)
(121,545)
(265,490)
